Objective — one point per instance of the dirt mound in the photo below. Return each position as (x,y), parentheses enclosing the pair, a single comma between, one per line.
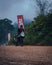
(25,55)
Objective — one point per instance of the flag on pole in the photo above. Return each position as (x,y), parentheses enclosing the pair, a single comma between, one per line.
(20,20)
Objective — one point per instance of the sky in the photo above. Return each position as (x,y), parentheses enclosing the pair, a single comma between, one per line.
(11,8)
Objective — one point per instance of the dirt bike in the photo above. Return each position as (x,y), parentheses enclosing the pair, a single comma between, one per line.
(18,41)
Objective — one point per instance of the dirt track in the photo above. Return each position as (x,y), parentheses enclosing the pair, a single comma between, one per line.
(25,55)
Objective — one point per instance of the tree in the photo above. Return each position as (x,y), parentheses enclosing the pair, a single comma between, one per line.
(5,27)
(39,32)
(44,6)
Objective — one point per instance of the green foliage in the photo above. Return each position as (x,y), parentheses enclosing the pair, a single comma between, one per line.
(39,32)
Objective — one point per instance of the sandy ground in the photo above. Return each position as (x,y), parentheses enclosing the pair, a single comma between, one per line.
(25,55)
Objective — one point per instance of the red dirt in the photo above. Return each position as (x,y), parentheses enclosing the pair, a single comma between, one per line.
(25,55)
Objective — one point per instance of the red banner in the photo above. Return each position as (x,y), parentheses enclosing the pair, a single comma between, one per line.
(20,20)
